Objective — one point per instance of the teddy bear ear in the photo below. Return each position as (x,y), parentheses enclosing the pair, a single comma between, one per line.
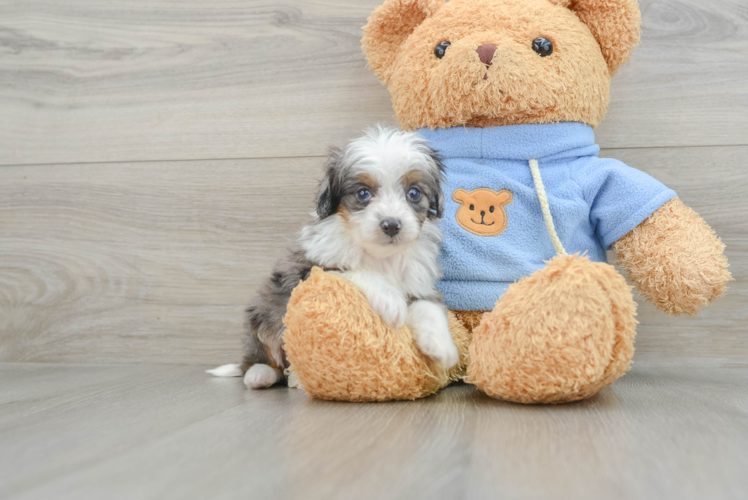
(388,27)
(459,195)
(504,197)
(615,24)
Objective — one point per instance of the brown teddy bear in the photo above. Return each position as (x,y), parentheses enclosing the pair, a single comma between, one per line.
(508,91)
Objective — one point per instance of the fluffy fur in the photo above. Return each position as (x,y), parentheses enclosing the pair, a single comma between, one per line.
(469,319)
(675,260)
(560,334)
(375,225)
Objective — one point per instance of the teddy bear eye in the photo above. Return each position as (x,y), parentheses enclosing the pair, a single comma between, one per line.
(490,209)
(472,207)
(441,49)
(542,46)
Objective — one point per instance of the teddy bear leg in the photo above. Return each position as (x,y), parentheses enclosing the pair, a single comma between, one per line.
(559,335)
(341,350)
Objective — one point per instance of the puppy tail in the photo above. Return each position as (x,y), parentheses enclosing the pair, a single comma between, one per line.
(230,370)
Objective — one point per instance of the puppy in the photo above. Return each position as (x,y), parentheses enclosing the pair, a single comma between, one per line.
(376,224)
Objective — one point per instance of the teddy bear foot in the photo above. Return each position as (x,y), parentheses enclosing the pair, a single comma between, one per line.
(559,335)
(341,350)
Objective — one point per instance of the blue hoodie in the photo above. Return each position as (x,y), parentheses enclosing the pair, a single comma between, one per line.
(593,201)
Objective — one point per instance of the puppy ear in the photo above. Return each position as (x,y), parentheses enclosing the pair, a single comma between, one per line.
(459,195)
(388,27)
(329,190)
(436,205)
(615,24)
(436,201)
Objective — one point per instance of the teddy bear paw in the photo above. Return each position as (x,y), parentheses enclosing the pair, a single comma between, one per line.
(559,335)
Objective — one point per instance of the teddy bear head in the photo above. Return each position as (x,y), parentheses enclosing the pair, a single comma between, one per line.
(484,63)
(482,211)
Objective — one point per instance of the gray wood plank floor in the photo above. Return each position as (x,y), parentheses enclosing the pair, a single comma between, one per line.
(163,432)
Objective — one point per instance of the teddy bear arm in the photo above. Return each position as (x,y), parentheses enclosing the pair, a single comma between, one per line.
(675,260)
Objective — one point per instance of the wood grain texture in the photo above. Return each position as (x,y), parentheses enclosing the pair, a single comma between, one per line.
(154,262)
(159,432)
(151,261)
(126,80)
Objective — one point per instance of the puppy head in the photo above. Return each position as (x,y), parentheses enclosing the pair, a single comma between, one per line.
(383,187)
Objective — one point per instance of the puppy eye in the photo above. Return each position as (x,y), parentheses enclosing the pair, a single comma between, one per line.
(542,46)
(414,194)
(363,195)
(472,207)
(441,49)
(490,209)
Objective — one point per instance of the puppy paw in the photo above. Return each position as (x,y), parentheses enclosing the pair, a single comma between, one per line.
(430,327)
(293,381)
(442,350)
(260,376)
(391,307)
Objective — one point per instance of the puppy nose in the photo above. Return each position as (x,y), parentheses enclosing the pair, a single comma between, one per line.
(390,227)
(486,52)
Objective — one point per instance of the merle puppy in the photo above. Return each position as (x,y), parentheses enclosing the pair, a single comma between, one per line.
(376,224)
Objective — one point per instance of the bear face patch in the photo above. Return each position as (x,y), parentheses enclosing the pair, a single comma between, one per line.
(482,210)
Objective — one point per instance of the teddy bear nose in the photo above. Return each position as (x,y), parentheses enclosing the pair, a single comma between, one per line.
(486,52)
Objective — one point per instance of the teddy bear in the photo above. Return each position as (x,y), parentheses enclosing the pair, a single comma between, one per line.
(509,93)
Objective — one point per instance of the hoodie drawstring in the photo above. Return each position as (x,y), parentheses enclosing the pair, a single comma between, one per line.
(546,208)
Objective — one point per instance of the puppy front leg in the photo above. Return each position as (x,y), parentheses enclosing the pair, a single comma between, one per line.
(428,320)
(385,300)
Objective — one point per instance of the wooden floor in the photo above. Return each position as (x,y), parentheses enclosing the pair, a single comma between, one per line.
(155,155)
(171,432)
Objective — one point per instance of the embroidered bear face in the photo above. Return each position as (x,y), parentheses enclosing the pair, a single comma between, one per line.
(484,63)
(482,211)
